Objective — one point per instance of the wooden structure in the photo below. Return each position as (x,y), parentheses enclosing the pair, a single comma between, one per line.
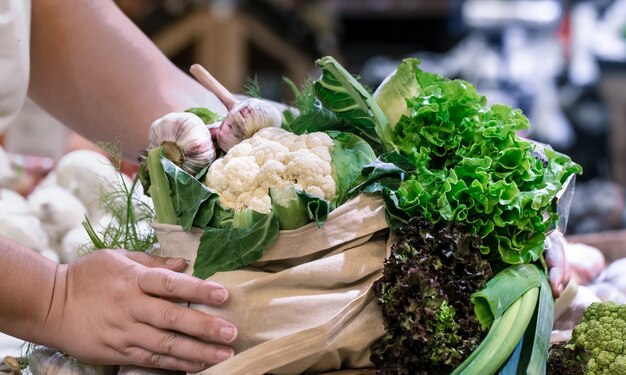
(221,43)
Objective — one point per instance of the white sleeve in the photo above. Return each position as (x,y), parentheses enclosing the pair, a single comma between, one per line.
(14,58)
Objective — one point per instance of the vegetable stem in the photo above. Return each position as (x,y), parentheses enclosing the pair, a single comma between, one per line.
(213,85)
(502,338)
(160,188)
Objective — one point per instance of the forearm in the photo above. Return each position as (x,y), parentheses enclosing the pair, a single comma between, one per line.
(27,281)
(94,70)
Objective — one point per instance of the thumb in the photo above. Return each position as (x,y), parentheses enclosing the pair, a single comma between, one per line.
(153,261)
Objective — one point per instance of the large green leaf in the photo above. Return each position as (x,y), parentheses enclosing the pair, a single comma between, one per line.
(393,93)
(296,208)
(386,172)
(193,202)
(226,249)
(350,154)
(349,100)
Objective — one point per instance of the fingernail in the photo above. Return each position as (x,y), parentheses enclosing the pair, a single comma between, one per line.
(224,354)
(219,295)
(228,333)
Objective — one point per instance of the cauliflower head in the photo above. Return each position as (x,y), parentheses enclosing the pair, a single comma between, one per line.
(273,158)
(602,333)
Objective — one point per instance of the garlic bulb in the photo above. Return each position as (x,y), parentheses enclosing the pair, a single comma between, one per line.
(246,118)
(185,139)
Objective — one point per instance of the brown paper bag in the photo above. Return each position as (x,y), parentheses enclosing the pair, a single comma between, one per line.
(306,305)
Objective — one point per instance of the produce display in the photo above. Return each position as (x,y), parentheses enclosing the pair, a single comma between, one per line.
(469,205)
(417,203)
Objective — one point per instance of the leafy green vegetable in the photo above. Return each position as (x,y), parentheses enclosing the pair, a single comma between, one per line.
(386,172)
(188,196)
(205,114)
(225,249)
(502,338)
(531,354)
(392,94)
(349,154)
(350,101)
(425,298)
(506,287)
(295,208)
(472,168)
(313,115)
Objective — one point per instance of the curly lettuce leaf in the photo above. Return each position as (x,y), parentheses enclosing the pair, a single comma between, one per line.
(472,168)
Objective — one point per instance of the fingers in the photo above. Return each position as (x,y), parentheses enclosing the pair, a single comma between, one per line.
(167,284)
(169,316)
(558,273)
(145,358)
(153,261)
(187,349)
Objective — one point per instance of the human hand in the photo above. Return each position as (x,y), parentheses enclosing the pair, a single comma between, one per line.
(558,268)
(114,307)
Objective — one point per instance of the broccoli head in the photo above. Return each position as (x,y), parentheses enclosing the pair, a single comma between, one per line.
(597,342)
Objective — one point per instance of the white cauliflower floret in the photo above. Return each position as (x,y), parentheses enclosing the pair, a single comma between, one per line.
(273,158)
(231,178)
(307,169)
(259,201)
(319,140)
(268,151)
(272,175)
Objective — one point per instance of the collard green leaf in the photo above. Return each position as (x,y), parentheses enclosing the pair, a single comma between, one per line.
(350,101)
(350,154)
(207,116)
(188,196)
(318,119)
(313,116)
(386,172)
(296,208)
(226,249)
(317,209)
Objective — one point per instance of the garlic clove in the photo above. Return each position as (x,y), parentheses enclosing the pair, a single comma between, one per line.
(185,139)
(246,118)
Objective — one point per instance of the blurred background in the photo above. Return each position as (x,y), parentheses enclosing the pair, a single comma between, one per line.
(562,62)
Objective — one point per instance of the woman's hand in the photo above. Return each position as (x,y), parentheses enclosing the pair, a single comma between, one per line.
(558,268)
(115,307)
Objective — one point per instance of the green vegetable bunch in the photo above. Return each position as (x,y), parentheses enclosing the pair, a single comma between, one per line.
(597,344)
(473,168)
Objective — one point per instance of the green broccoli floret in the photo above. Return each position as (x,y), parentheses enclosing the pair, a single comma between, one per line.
(601,335)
